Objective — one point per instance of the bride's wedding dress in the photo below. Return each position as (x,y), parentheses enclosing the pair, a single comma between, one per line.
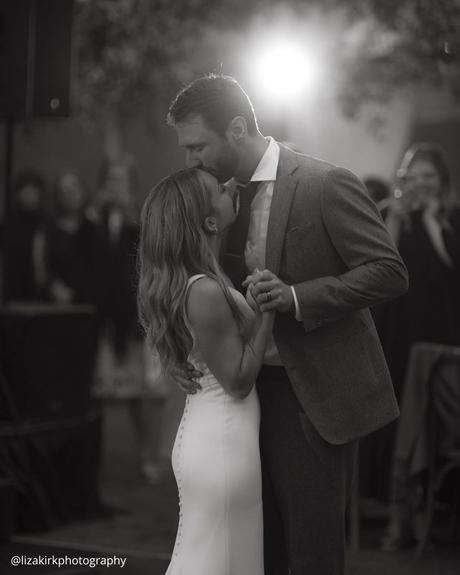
(216,463)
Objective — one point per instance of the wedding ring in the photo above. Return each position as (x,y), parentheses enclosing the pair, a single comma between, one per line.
(269,295)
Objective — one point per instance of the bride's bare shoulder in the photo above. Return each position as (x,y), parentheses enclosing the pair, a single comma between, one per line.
(207,303)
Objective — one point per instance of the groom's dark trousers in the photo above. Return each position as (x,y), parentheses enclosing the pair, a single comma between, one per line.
(306,483)
(326,238)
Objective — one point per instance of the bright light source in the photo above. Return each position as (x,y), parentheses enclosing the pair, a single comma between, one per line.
(285,70)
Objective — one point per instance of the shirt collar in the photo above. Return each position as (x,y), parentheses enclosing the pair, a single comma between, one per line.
(268,165)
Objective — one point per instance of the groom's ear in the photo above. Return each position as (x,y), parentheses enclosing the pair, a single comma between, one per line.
(238,128)
(210,225)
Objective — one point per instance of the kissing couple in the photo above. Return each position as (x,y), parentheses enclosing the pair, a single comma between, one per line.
(258,266)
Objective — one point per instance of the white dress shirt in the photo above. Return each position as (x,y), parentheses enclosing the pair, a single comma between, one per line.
(254,253)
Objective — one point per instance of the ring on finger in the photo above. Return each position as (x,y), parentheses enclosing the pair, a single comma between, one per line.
(268,295)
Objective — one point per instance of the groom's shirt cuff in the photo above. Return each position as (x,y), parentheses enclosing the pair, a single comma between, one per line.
(297,314)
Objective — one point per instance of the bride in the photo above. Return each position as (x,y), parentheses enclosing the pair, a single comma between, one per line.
(191,314)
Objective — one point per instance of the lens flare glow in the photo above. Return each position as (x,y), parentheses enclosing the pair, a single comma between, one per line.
(285,70)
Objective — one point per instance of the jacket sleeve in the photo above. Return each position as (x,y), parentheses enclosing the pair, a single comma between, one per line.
(374,270)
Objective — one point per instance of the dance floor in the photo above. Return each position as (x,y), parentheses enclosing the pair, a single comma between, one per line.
(141,524)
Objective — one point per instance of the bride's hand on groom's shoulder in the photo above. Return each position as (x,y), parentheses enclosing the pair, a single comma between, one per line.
(185,377)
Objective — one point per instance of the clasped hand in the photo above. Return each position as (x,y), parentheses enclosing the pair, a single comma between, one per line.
(265,293)
(268,292)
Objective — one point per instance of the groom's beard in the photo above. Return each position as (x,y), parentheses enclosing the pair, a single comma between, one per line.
(226,166)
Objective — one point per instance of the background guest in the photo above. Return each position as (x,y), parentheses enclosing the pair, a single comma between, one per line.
(24,240)
(124,370)
(424,221)
(69,254)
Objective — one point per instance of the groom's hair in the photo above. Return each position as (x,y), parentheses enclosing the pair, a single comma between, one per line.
(217,99)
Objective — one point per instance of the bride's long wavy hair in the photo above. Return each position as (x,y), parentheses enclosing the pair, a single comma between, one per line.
(174,245)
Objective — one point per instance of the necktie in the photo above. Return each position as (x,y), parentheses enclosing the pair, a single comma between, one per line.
(238,233)
(233,261)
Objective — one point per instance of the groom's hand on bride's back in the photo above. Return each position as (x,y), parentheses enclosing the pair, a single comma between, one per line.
(185,376)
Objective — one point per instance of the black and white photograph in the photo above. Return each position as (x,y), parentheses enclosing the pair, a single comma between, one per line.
(230,287)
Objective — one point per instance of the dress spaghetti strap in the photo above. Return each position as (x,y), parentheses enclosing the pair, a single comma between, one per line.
(192,279)
(190,282)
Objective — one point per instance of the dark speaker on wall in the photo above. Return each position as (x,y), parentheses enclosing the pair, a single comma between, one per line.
(53,57)
(35,58)
(14,43)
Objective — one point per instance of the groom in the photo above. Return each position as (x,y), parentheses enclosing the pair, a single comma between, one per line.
(325,258)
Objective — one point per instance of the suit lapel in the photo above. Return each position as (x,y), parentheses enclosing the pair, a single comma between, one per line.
(283,194)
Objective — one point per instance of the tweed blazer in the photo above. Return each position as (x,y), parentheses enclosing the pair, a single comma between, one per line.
(326,238)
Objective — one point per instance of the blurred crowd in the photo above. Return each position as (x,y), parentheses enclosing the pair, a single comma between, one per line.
(72,246)
(422,214)
(421,211)
(66,246)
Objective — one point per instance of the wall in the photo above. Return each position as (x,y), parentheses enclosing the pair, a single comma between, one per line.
(363,145)
(375,147)
(317,128)
(53,145)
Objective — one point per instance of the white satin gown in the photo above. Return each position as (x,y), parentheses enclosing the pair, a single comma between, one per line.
(216,463)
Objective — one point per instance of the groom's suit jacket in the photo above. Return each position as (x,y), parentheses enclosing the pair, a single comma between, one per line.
(327,239)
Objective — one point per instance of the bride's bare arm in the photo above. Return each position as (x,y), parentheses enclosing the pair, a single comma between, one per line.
(234,363)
